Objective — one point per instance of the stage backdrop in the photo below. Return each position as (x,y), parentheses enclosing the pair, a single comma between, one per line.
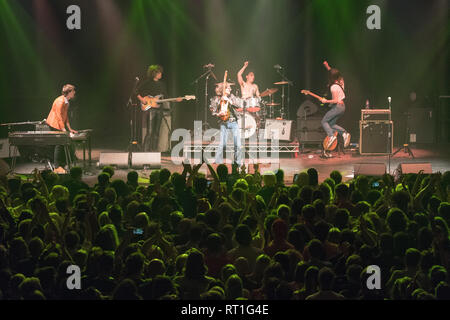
(119,39)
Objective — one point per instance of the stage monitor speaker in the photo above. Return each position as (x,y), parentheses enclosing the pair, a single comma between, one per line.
(4,148)
(117,159)
(376,137)
(415,168)
(282,126)
(146,159)
(369,169)
(4,168)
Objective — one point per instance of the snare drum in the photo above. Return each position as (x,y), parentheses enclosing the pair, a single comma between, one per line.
(252,104)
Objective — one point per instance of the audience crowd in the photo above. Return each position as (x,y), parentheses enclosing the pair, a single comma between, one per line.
(237,235)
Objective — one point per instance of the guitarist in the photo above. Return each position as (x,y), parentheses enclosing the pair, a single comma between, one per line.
(336,85)
(227,124)
(151,121)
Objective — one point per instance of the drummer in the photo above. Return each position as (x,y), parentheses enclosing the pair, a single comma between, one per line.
(249,89)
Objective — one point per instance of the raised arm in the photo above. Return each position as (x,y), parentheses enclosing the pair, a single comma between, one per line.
(239,75)
(326,65)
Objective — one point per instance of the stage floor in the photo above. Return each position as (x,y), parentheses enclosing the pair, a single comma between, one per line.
(438,156)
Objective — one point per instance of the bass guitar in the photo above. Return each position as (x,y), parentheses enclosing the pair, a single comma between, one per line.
(149,102)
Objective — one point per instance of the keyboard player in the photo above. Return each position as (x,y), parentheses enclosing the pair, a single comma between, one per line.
(58,120)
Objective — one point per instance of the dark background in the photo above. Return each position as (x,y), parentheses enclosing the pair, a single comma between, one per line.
(119,39)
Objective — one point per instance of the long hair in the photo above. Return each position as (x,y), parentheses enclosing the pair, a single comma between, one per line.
(333,76)
(68,88)
(153,70)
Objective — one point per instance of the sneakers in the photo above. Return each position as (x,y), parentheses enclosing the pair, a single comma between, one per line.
(346,137)
(331,140)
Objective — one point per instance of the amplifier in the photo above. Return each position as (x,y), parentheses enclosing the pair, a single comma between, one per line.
(421,125)
(275,127)
(375,114)
(376,137)
(310,130)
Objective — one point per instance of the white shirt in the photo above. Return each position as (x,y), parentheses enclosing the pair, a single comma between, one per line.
(336,92)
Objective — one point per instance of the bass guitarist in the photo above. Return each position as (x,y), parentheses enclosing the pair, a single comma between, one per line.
(151,120)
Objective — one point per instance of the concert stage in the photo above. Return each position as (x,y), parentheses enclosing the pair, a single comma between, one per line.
(437,156)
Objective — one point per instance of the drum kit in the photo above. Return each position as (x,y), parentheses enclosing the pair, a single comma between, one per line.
(253,112)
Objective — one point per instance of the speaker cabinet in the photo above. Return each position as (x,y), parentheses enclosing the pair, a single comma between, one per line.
(310,130)
(376,137)
(4,148)
(117,159)
(421,124)
(369,169)
(406,168)
(146,159)
(283,127)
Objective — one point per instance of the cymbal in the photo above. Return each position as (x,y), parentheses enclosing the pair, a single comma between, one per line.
(268,92)
(272,104)
(281,83)
(228,83)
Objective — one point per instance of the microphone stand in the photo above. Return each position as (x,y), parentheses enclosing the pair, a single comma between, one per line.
(389,136)
(284,78)
(133,144)
(205,75)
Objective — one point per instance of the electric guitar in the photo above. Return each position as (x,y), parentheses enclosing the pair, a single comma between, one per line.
(327,138)
(309,93)
(224,110)
(153,102)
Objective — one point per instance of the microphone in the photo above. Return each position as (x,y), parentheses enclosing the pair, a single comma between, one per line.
(278,67)
(209,65)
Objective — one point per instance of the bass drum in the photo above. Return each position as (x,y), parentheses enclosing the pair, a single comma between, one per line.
(250,125)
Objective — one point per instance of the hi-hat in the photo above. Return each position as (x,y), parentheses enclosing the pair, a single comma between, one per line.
(281,82)
(228,84)
(268,92)
(272,104)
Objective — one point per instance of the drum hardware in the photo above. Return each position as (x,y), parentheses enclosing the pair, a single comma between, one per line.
(285,81)
(247,124)
(268,92)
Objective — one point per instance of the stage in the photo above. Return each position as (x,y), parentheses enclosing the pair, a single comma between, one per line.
(437,156)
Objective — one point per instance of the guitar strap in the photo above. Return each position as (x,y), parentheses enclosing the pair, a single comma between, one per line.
(329,90)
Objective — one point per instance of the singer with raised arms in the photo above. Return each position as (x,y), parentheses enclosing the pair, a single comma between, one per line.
(224,106)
